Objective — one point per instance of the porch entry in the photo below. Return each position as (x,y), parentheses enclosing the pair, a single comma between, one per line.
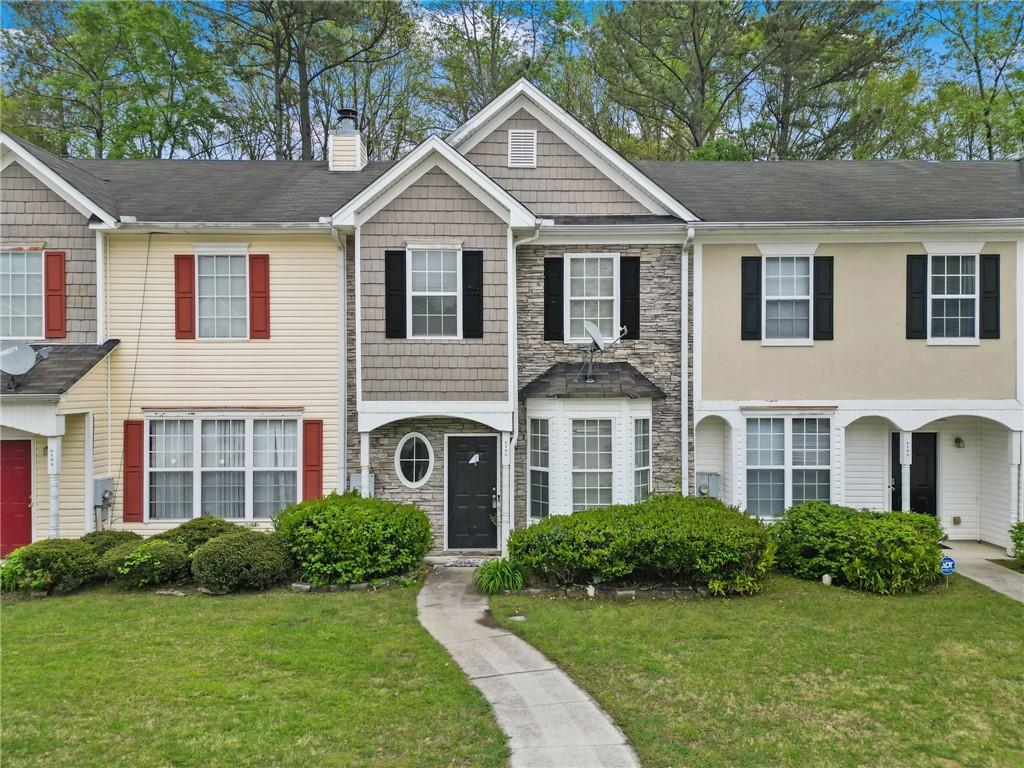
(923,473)
(471,465)
(16,496)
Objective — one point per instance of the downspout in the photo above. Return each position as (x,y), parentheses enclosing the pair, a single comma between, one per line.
(101,276)
(684,344)
(341,245)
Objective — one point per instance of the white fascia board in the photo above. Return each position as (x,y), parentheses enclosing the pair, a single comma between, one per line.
(877,231)
(53,180)
(576,135)
(613,234)
(221,227)
(419,160)
(373,414)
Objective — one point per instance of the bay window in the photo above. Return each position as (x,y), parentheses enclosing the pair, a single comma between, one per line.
(591,463)
(641,459)
(539,468)
(788,462)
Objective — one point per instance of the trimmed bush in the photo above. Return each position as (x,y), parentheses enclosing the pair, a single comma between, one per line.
(669,538)
(114,557)
(498,575)
(243,559)
(54,565)
(154,561)
(195,533)
(1017,539)
(883,552)
(344,538)
(102,541)
(12,572)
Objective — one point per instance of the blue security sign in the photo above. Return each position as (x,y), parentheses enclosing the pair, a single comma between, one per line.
(947,565)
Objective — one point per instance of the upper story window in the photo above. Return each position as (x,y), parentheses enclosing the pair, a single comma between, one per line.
(223,306)
(434,298)
(787,297)
(21,294)
(953,299)
(522,149)
(592,295)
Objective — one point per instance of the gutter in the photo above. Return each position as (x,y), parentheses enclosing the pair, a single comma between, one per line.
(1013,224)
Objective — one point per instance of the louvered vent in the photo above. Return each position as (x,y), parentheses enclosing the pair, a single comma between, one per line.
(522,149)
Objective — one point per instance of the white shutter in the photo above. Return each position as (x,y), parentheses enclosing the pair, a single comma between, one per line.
(522,149)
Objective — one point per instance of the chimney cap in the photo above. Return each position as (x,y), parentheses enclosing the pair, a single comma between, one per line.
(347,118)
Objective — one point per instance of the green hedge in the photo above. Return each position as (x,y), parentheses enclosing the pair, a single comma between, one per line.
(114,557)
(195,533)
(53,565)
(102,541)
(343,539)
(670,538)
(154,561)
(1017,540)
(884,552)
(243,559)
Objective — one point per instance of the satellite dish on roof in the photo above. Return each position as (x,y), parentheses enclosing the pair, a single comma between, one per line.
(598,344)
(595,335)
(16,357)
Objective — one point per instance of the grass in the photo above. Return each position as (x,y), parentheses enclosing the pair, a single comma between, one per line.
(104,678)
(1013,565)
(799,675)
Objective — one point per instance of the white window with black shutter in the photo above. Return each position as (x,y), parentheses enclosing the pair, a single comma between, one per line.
(599,288)
(786,299)
(952,296)
(433,291)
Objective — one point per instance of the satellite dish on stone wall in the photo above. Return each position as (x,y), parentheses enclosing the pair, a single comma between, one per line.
(16,357)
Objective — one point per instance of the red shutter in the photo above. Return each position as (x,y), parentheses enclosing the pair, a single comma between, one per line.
(55,298)
(185,296)
(312,459)
(259,296)
(134,470)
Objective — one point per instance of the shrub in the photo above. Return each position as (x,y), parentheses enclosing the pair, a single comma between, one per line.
(12,572)
(54,565)
(1017,539)
(672,538)
(195,533)
(114,558)
(342,539)
(154,561)
(242,559)
(102,541)
(884,552)
(494,576)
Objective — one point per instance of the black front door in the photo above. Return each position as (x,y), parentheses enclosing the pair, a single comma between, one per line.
(472,491)
(922,473)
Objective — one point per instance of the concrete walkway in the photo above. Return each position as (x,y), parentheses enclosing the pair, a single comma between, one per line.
(972,560)
(549,721)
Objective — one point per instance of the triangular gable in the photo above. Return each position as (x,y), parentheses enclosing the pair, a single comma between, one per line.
(433,153)
(523,96)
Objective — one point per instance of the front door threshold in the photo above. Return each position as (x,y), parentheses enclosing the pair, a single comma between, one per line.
(462,557)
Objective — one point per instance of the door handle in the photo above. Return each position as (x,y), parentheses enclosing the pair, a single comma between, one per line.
(494,498)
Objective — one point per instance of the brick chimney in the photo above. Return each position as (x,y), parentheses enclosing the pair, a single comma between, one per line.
(345,149)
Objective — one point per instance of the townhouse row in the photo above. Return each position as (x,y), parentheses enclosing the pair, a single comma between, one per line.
(510,323)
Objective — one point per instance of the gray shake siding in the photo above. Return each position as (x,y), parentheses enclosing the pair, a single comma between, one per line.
(656,353)
(31,212)
(435,207)
(563,183)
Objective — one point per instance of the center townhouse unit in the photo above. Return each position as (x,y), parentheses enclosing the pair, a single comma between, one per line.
(221,337)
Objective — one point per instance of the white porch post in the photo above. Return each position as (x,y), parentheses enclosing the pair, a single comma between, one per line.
(906,457)
(53,471)
(1016,489)
(364,464)
(506,513)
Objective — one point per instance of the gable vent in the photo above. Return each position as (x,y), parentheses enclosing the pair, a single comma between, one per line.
(522,149)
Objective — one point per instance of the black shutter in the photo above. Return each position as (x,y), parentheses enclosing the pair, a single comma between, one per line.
(917,297)
(554,314)
(472,294)
(394,294)
(823,276)
(750,298)
(629,288)
(989,313)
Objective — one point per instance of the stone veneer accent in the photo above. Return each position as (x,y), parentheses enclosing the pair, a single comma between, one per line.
(656,353)
(30,211)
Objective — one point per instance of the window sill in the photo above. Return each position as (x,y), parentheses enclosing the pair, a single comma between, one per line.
(787,342)
(939,342)
(430,338)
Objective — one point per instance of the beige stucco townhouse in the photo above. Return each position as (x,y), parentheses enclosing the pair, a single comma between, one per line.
(229,337)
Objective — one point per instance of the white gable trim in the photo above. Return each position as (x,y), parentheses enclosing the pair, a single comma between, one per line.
(433,153)
(14,152)
(524,95)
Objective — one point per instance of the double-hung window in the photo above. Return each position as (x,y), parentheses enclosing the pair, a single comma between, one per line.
(233,467)
(641,459)
(591,463)
(539,467)
(953,300)
(592,295)
(788,462)
(223,292)
(434,280)
(787,298)
(21,294)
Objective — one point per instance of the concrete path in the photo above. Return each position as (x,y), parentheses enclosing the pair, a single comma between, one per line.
(549,721)
(972,560)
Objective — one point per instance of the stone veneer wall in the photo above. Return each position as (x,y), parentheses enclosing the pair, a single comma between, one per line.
(656,354)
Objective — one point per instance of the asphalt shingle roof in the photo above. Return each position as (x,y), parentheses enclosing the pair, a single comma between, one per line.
(609,380)
(57,369)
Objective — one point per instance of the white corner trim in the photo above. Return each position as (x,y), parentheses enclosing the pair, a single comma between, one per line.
(953,247)
(1019,269)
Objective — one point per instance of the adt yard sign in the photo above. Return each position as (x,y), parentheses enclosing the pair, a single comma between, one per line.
(947,565)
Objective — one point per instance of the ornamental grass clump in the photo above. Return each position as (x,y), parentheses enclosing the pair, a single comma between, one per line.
(499,575)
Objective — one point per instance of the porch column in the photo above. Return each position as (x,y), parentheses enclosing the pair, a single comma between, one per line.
(506,510)
(364,464)
(53,471)
(906,457)
(1016,491)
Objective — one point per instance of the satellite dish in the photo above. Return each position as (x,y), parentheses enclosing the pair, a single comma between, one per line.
(16,357)
(595,335)
(598,344)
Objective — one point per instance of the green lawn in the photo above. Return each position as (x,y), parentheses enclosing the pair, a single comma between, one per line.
(801,675)
(1013,565)
(105,678)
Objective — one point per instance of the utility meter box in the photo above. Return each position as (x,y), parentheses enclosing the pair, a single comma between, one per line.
(709,484)
(355,483)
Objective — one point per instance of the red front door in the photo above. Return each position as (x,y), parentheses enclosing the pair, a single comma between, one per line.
(15,494)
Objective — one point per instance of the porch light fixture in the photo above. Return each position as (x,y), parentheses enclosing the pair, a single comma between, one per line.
(958,442)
